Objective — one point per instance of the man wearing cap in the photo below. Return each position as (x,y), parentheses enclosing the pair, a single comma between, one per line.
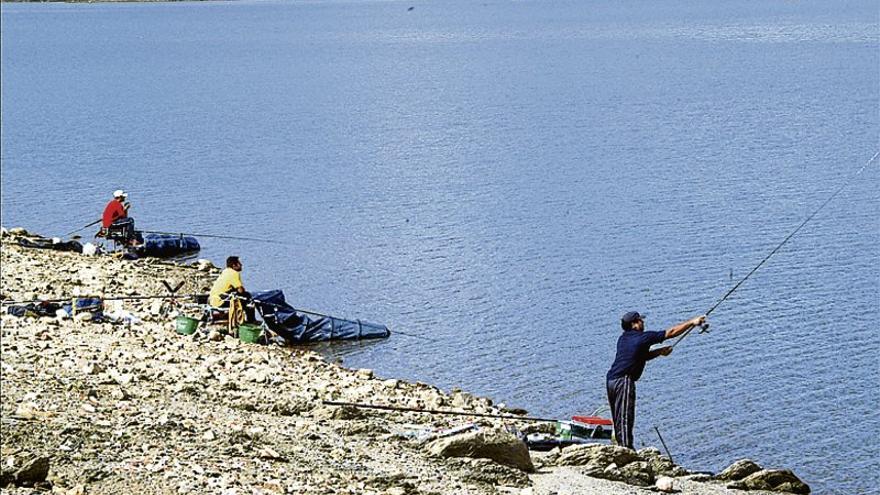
(117,208)
(116,215)
(633,351)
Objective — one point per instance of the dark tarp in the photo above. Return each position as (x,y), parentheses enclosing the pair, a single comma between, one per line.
(297,327)
(48,244)
(165,245)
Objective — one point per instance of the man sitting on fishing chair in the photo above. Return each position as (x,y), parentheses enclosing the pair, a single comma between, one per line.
(116,224)
(633,351)
(228,292)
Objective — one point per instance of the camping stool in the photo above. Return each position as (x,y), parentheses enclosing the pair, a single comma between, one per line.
(120,233)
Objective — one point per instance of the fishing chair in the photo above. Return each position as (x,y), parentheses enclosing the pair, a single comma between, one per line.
(212,315)
(121,233)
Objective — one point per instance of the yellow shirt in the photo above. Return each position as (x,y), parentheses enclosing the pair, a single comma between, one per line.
(228,279)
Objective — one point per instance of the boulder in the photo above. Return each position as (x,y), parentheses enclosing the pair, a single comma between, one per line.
(637,473)
(597,455)
(776,480)
(661,465)
(495,444)
(33,471)
(739,470)
(18,231)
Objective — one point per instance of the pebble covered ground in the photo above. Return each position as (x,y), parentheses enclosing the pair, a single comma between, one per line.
(137,408)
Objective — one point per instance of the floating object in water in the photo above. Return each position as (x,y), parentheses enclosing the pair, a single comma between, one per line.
(167,245)
(299,326)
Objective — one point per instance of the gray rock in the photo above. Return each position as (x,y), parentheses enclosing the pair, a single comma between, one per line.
(660,464)
(18,231)
(596,455)
(33,471)
(611,472)
(776,480)
(338,413)
(637,473)
(739,470)
(496,444)
(698,477)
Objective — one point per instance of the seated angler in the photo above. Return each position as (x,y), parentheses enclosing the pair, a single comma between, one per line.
(228,286)
(116,224)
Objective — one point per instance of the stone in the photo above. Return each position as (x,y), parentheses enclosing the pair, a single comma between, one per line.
(775,480)
(699,477)
(661,464)
(665,484)
(596,454)
(337,413)
(27,410)
(204,265)
(365,374)
(637,473)
(18,231)
(496,444)
(33,471)
(739,470)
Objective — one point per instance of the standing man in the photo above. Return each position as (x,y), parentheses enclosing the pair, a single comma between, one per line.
(633,351)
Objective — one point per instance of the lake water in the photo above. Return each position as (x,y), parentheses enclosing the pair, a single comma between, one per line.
(506,178)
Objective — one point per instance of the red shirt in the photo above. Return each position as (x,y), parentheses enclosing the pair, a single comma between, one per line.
(113,211)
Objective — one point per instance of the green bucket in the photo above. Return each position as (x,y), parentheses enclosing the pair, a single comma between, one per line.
(186,325)
(249,333)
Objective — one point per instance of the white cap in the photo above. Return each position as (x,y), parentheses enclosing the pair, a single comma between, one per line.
(119,192)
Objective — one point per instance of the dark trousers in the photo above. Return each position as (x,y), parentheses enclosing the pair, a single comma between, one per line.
(622,399)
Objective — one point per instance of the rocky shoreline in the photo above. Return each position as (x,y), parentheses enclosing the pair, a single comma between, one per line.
(133,407)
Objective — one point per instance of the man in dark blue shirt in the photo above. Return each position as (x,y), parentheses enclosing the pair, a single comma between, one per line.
(633,351)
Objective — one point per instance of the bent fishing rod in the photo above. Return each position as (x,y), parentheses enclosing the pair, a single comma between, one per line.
(236,238)
(705,327)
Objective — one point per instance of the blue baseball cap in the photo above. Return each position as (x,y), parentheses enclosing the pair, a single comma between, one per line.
(632,317)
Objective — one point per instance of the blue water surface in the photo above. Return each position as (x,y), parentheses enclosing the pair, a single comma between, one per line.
(506,178)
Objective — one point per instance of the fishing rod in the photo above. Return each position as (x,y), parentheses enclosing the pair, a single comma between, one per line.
(664,443)
(705,327)
(254,239)
(436,411)
(83,227)
(114,298)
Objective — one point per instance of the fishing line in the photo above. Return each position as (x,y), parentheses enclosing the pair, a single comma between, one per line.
(254,239)
(789,236)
